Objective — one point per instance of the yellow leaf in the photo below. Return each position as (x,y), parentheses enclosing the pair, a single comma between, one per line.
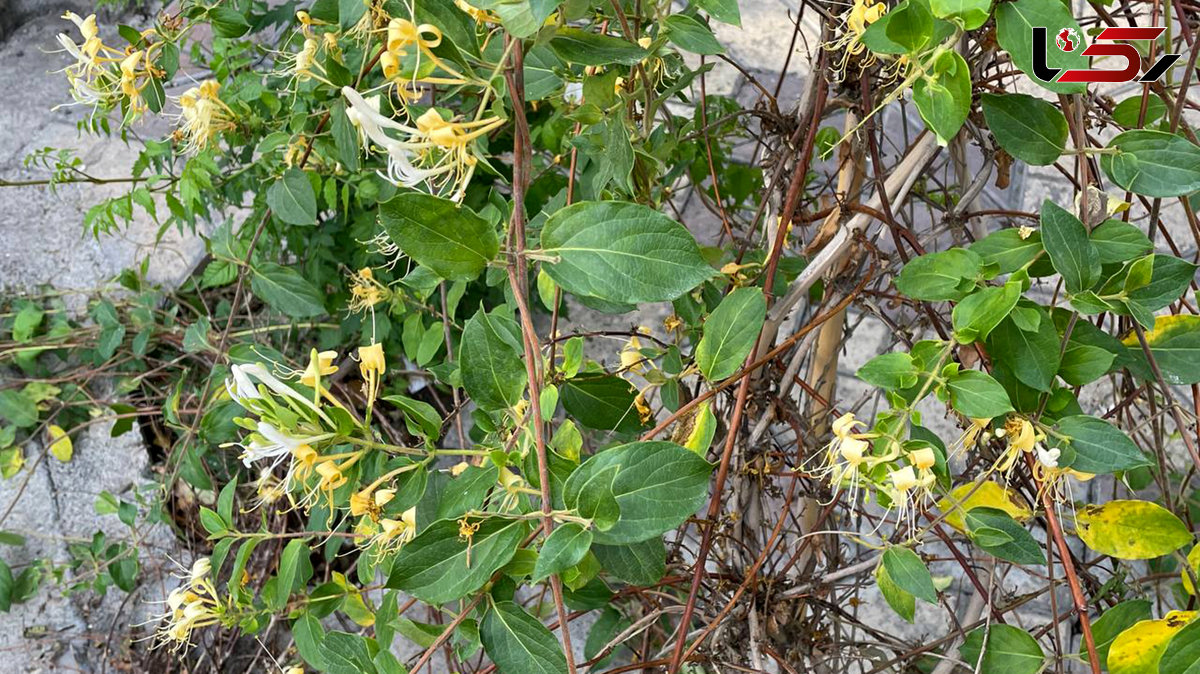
(1131,529)
(1193,559)
(60,444)
(705,426)
(1138,649)
(987,495)
(1165,327)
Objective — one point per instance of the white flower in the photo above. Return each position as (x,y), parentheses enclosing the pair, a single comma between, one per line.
(277,446)
(1047,457)
(573,93)
(244,389)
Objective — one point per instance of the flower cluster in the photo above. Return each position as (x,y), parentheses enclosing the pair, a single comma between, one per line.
(191,606)
(101,76)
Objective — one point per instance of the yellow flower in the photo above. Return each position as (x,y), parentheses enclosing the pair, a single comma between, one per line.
(975,431)
(366,291)
(923,459)
(191,606)
(203,115)
(319,365)
(1022,438)
(845,455)
(632,359)
(480,15)
(304,459)
(645,414)
(849,44)
(435,150)
(395,533)
(371,366)
(332,477)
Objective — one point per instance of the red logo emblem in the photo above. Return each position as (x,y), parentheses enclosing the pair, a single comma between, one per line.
(1066,39)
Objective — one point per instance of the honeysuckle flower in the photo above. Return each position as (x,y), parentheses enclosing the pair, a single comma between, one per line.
(1025,231)
(244,390)
(371,365)
(273,444)
(480,15)
(1047,457)
(435,150)
(1056,482)
(394,533)
(304,460)
(191,606)
(1022,437)
(268,489)
(129,77)
(908,490)
(202,116)
(976,431)
(319,365)
(845,456)
(366,291)
(849,43)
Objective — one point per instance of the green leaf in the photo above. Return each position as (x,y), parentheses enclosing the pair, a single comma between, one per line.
(903,603)
(227,22)
(939,276)
(1118,241)
(564,547)
(584,47)
(1071,251)
(910,25)
(433,566)
(1002,648)
(541,80)
(491,360)
(1084,364)
(1114,621)
(522,18)
(1016,545)
(1131,529)
(1028,128)
(17,408)
(622,252)
(1170,278)
(289,565)
(602,402)
(981,311)
(725,11)
(730,333)
(1030,355)
(467,491)
(292,199)
(420,417)
(909,573)
(890,371)
(6,586)
(1126,112)
(1153,163)
(643,563)
(1099,446)
(657,486)
(972,13)
(1007,250)
(287,291)
(1183,652)
(977,395)
(944,98)
(1174,342)
(1014,31)
(518,643)
(690,35)
(448,238)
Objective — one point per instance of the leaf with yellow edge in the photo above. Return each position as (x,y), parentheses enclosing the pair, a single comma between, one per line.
(1138,649)
(1131,529)
(1175,344)
(60,444)
(988,494)
(1193,559)
(700,439)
